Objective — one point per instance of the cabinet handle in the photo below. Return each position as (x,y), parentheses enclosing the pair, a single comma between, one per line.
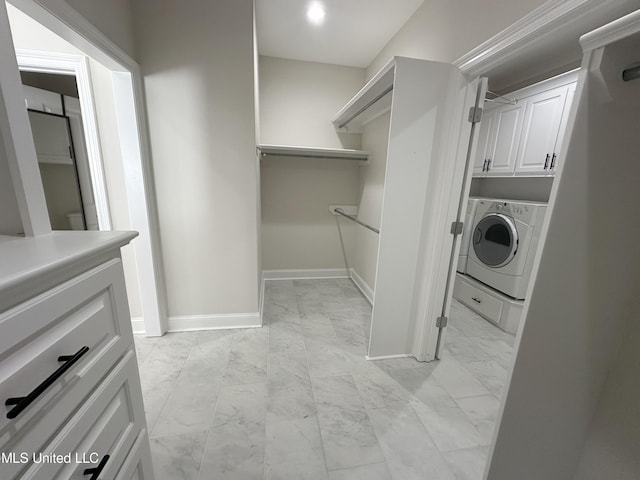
(484,165)
(488,164)
(96,471)
(23,402)
(553,161)
(546,161)
(476,300)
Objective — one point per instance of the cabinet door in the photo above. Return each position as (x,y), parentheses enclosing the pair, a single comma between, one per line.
(504,144)
(542,118)
(485,135)
(563,127)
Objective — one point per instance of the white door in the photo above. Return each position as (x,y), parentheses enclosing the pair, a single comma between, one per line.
(475,139)
(485,141)
(502,151)
(543,114)
(563,127)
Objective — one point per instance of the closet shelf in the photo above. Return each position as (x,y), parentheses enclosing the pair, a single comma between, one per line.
(311,152)
(370,102)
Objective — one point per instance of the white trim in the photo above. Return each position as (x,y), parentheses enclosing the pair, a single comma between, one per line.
(550,17)
(611,32)
(389,357)
(189,323)
(306,274)
(78,66)
(137,325)
(63,20)
(363,286)
(261,299)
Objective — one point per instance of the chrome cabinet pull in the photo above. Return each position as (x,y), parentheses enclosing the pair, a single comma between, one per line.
(95,472)
(546,161)
(23,402)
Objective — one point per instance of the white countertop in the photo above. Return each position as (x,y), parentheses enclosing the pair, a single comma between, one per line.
(24,258)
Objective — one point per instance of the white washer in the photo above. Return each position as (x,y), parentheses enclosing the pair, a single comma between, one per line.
(503,244)
(466,234)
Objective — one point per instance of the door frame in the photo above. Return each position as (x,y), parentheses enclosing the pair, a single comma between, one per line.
(63,20)
(78,66)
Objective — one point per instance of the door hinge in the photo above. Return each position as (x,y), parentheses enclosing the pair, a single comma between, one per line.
(475,114)
(456,228)
(441,322)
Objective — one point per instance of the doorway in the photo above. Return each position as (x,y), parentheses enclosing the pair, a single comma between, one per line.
(120,83)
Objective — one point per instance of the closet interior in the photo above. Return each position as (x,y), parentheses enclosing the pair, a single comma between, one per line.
(408,136)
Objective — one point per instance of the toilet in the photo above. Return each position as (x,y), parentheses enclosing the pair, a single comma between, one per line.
(75,221)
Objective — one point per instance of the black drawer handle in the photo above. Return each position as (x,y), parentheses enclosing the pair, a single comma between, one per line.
(476,300)
(23,402)
(553,161)
(95,472)
(546,161)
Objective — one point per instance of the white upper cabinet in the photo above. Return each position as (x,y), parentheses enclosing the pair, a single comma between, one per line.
(485,138)
(525,139)
(563,128)
(539,142)
(504,137)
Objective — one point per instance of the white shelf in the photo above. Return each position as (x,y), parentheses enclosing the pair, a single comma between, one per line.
(312,152)
(370,102)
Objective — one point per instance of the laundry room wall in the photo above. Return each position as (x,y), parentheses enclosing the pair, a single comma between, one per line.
(197,60)
(30,35)
(297,102)
(444,30)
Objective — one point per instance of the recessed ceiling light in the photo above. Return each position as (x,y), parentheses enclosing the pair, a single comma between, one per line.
(316,13)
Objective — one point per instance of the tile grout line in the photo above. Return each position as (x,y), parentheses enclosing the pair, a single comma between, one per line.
(149,428)
(215,410)
(313,394)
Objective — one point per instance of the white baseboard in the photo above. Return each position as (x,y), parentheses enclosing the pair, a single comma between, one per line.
(300,274)
(389,357)
(363,286)
(188,323)
(137,325)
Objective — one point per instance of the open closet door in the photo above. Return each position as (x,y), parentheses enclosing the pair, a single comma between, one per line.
(441,245)
(475,105)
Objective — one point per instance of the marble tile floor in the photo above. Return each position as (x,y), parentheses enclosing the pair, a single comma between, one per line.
(296,399)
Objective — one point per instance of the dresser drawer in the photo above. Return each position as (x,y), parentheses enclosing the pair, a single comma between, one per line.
(87,316)
(137,466)
(101,434)
(481,302)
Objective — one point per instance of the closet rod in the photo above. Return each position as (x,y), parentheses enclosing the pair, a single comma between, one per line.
(295,155)
(631,73)
(351,217)
(346,122)
(511,101)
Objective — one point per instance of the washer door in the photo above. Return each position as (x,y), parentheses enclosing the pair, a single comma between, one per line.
(495,240)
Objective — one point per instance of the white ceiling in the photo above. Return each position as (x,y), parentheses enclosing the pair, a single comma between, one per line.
(353,33)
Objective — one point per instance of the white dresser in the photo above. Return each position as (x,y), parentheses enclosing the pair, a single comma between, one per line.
(69,379)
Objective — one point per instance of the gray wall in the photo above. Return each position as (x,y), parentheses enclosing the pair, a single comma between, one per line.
(197,61)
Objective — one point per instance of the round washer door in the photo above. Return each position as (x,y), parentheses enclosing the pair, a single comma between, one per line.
(495,240)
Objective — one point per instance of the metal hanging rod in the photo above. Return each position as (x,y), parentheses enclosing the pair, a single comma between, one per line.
(351,217)
(346,122)
(631,73)
(509,101)
(296,155)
